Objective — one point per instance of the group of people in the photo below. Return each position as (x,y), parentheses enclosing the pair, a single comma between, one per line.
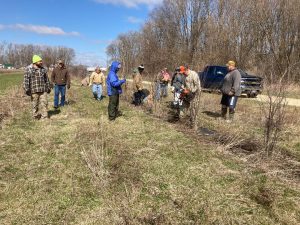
(37,85)
(185,85)
(186,88)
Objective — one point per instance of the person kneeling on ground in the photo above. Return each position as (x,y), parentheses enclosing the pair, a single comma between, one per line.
(114,89)
(97,82)
(231,90)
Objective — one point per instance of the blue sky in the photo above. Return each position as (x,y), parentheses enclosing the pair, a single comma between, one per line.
(87,26)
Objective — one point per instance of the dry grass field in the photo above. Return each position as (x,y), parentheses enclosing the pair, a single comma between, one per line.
(79,168)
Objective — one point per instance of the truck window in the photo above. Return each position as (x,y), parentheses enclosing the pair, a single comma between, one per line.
(221,70)
(211,70)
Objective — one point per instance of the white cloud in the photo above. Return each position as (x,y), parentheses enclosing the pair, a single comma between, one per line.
(46,30)
(90,59)
(131,3)
(132,19)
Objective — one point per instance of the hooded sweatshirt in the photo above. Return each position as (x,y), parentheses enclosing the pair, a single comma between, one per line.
(113,83)
(232,82)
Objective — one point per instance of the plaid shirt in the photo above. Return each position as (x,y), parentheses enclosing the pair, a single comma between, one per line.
(36,80)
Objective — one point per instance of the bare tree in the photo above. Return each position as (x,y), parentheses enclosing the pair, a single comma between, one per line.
(260,35)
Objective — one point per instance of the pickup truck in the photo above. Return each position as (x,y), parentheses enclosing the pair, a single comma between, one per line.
(212,78)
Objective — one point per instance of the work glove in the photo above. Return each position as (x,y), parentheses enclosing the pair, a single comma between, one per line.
(68,86)
(28,92)
(48,91)
(230,93)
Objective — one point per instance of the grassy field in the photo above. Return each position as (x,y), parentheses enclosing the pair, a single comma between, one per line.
(79,168)
(9,80)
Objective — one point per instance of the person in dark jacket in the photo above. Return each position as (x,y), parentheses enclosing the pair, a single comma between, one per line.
(179,85)
(138,94)
(60,77)
(37,85)
(231,90)
(114,89)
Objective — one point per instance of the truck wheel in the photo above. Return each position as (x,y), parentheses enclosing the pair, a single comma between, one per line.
(252,95)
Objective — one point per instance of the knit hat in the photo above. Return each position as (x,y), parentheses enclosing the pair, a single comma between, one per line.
(182,69)
(141,67)
(36,59)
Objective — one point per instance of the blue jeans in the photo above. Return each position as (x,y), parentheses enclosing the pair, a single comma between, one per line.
(59,89)
(97,91)
(164,89)
(157,91)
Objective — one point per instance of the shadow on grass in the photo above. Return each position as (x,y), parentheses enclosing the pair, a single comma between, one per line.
(212,114)
(53,112)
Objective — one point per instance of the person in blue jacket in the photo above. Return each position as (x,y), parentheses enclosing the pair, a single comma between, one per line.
(114,90)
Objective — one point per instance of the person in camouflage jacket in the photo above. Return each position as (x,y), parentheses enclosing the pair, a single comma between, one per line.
(37,85)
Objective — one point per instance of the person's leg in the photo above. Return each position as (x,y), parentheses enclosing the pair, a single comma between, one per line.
(94,90)
(194,108)
(232,105)
(100,91)
(63,95)
(118,112)
(135,98)
(35,105)
(112,106)
(225,104)
(56,95)
(165,90)
(176,98)
(157,91)
(44,105)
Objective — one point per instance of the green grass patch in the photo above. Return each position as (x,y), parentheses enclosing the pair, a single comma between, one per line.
(9,80)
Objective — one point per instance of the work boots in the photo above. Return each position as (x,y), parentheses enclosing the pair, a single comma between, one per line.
(224,112)
(231,114)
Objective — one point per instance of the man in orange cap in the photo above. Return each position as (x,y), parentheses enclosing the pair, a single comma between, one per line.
(193,96)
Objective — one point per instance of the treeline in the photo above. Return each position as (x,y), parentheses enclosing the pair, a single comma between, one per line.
(20,55)
(261,35)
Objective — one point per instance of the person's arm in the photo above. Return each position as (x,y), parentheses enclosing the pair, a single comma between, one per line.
(115,82)
(103,80)
(91,79)
(236,82)
(53,76)
(47,81)
(26,83)
(68,78)
(197,82)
